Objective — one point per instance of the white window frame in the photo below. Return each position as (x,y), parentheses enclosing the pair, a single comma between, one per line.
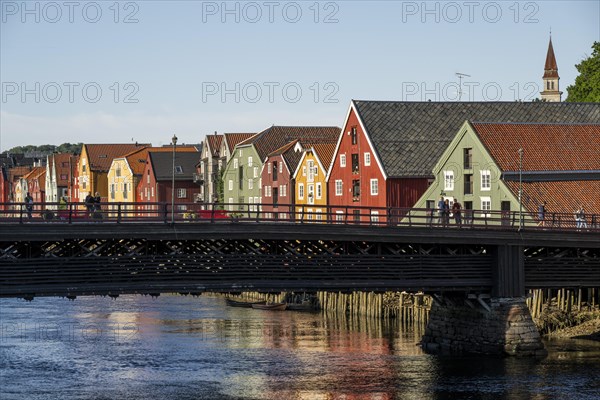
(283,190)
(249,161)
(311,171)
(374,216)
(230,185)
(256,172)
(319,191)
(181,193)
(374,187)
(338,187)
(281,167)
(304,170)
(250,183)
(310,189)
(235,163)
(485,180)
(301,191)
(339,217)
(367,159)
(483,201)
(269,167)
(342,160)
(449,180)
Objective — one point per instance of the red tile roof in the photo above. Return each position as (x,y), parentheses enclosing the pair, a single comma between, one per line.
(214,143)
(561,196)
(100,156)
(18,172)
(325,153)
(546,147)
(233,139)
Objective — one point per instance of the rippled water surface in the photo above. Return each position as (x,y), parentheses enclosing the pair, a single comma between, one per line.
(175,347)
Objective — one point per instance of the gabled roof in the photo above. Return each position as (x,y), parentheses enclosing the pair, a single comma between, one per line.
(18,172)
(60,170)
(325,153)
(410,137)
(289,154)
(137,158)
(214,144)
(550,68)
(232,139)
(274,137)
(37,173)
(100,156)
(162,165)
(546,147)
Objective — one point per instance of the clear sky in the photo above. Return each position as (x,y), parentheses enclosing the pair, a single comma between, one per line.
(108,71)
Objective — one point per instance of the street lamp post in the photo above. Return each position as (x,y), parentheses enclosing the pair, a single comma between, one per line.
(174,142)
(520,189)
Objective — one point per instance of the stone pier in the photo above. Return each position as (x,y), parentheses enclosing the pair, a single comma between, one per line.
(500,326)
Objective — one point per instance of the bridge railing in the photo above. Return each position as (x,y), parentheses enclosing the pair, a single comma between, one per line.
(132,212)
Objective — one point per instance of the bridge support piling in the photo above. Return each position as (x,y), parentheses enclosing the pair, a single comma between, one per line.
(505,329)
(503,326)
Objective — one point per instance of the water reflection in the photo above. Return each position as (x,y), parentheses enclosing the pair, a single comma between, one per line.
(182,347)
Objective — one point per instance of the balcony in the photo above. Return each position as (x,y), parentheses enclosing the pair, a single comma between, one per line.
(198,178)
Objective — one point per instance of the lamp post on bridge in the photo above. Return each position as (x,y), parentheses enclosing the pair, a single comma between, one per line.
(520,189)
(174,143)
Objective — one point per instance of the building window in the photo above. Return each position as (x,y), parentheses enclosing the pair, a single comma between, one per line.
(283,190)
(64,176)
(250,184)
(304,170)
(343,161)
(148,177)
(468,183)
(319,190)
(486,180)
(275,171)
(311,194)
(468,158)
(118,173)
(181,193)
(486,206)
(241,177)
(178,169)
(355,163)
(367,159)
(230,184)
(249,161)
(235,163)
(374,217)
(448,180)
(301,191)
(311,170)
(269,168)
(354,135)
(84,185)
(355,190)
(338,187)
(339,216)
(374,187)
(280,167)
(256,172)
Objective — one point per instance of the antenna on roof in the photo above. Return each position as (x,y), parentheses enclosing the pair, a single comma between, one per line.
(460,77)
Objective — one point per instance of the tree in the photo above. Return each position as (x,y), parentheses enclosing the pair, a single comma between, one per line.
(587,84)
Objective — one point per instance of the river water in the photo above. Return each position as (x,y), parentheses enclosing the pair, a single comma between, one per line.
(176,347)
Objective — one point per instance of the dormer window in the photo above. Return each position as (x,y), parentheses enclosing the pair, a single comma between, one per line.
(354,135)
(178,169)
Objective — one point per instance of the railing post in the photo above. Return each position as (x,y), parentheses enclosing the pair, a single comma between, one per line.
(20,213)
(118,213)
(166,213)
(70,213)
(212,213)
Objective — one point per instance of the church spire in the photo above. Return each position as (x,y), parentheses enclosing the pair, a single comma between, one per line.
(550,69)
(551,78)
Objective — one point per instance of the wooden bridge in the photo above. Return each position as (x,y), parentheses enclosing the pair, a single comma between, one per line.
(111,256)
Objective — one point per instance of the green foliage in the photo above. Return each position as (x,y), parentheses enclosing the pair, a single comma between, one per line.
(587,84)
(220,188)
(74,148)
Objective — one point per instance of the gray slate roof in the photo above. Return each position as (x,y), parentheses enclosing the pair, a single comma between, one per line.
(162,165)
(410,137)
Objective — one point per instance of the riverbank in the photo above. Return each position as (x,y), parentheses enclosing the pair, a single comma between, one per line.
(587,326)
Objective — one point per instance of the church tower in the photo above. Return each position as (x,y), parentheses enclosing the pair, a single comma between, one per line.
(551,78)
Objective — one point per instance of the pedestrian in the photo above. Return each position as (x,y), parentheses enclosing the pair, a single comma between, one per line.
(89,204)
(542,214)
(97,206)
(456,211)
(446,212)
(62,208)
(29,205)
(582,220)
(440,206)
